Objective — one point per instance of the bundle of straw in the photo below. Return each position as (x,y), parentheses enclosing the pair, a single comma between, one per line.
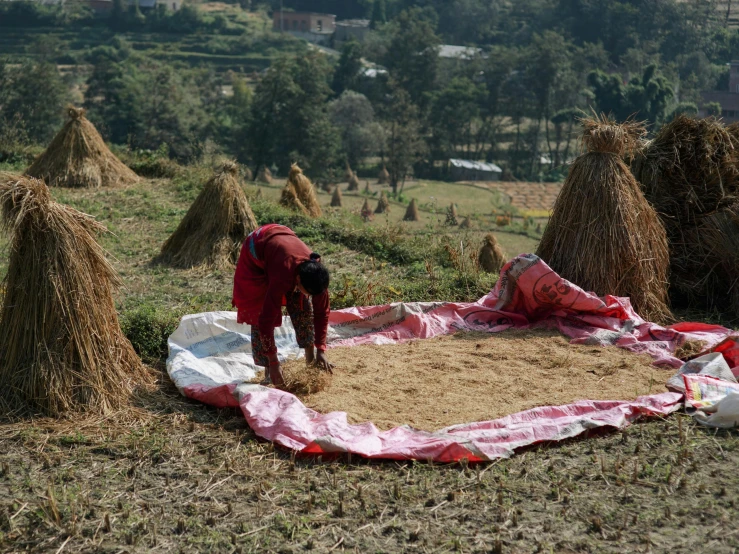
(289,199)
(264,175)
(246,173)
(61,346)
(336,197)
(78,157)
(491,256)
(348,173)
(215,226)
(383,204)
(366,212)
(367,189)
(384,177)
(353,183)
(411,214)
(603,235)
(305,191)
(690,169)
(466,223)
(451,215)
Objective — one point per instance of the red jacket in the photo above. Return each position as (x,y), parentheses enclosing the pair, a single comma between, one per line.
(267,270)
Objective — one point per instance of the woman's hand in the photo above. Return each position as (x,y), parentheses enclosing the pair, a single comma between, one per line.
(323,363)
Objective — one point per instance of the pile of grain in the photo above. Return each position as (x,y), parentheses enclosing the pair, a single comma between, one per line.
(431,384)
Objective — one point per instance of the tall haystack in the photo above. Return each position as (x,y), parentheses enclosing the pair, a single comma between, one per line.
(61,345)
(305,191)
(383,204)
(466,223)
(366,213)
(353,183)
(78,157)
(336,197)
(411,214)
(603,235)
(289,199)
(348,173)
(246,173)
(215,226)
(491,256)
(264,175)
(451,215)
(384,177)
(690,169)
(367,189)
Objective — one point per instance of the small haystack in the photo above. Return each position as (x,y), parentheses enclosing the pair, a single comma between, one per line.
(466,223)
(384,177)
(353,183)
(366,213)
(348,173)
(603,235)
(383,204)
(367,189)
(264,175)
(79,157)
(451,215)
(258,195)
(336,198)
(690,169)
(247,174)
(491,256)
(411,214)
(215,226)
(305,191)
(61,346)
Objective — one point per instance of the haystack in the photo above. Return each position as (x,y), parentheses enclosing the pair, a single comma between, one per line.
(366,212)
(289,199)
(466,223)
(246,173)
(348,173)
(383,204)
(305,191)
(603,235)
(491,256)
(411,214)
(451,215)
(78,157)
(690,169)
(215,226)
(367,189)
(264,175)
(353,183)
(61,346)
(384,177)
(336,198)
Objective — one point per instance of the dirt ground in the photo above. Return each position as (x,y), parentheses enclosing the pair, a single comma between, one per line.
(467,377)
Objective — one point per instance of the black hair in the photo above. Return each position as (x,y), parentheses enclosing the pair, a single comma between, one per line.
(313,275)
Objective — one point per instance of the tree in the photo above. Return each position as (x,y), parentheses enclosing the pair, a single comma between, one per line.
(361,136)
(412,56)
(349,67)
(379,16)
(405,144)
(713,108)
(454,112)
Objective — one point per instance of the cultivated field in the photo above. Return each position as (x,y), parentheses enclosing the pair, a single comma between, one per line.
(171,475)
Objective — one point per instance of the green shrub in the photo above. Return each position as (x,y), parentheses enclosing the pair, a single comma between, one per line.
(148,329)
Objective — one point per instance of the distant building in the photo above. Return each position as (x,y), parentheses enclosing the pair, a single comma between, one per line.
(313,27)
(173,5)
(467,170)
(104,7)
(349,29)
(729,100)
(462,53)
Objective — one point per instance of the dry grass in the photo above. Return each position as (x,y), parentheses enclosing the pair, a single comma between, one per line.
(264,175)
(411,213)
(78,157)
(215,226)
(603,235)
(491,257)
(305,191)
(62,348)
(303,379)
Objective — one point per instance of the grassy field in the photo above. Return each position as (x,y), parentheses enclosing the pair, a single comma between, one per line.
(171,475)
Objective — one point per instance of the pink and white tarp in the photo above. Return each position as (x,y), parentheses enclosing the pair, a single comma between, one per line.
(210,361)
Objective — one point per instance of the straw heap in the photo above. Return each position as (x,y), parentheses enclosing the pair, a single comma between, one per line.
(603,235)
(336,198)
(491,256)
(353,183)
(451,215)
(466,223)
(411,214)
(366,212)
(61,346)
(384,177)
(305,191)
(264,175)
(348,173)
(383,204)
(78,157)
(215,226)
